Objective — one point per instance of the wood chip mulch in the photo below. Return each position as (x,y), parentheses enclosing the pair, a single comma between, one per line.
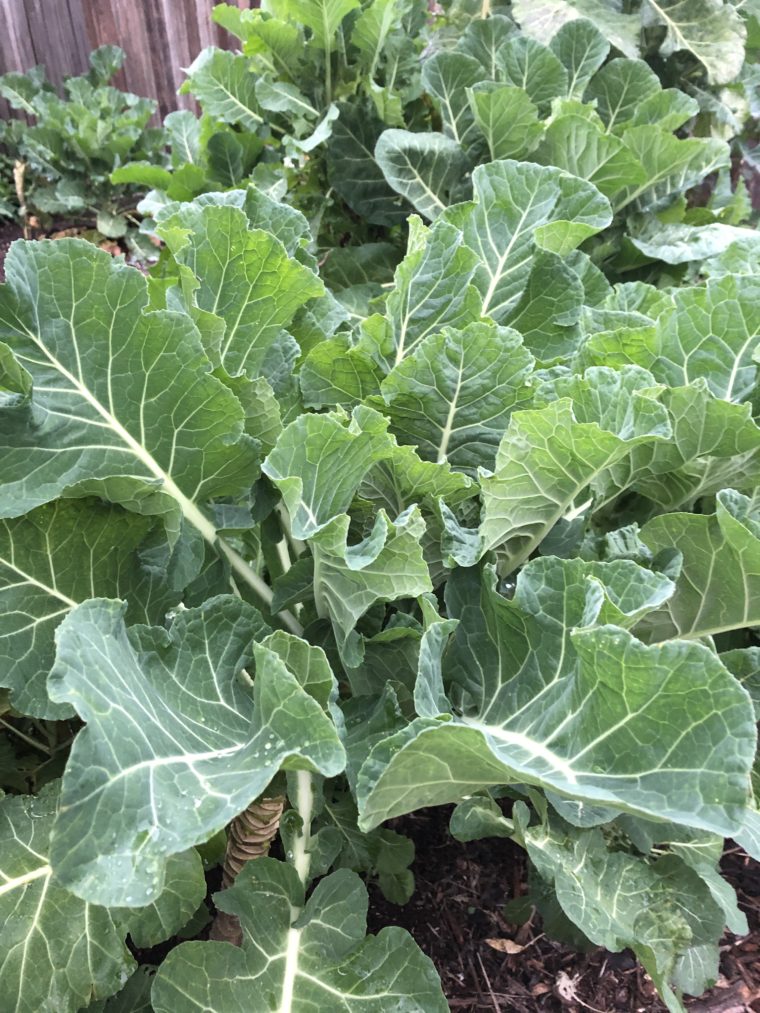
(457,916)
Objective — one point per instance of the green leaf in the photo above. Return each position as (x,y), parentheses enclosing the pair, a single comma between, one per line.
(518,208)
(51,560)
(322,957)
(543,19)
(165,431)
(354,172)
(348,579)
(423,168)
(336,373)
(319,461)
(619,88)
(244,275)
(484,39)
(679,244)
(549,456)
(671,165)
(581,147)
(711,30)
(323,17)
(184,130)
(142,174)
(547,697)
(225,87)
(447,76)
(183,893)
(661,909)
(452,396)
(507,119)
(714,442)
(719,586)
(527,64)
(582,49)
(713,332)
(176,744)
(59,952)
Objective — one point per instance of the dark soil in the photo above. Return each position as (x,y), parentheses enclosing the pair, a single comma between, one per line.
(459,904)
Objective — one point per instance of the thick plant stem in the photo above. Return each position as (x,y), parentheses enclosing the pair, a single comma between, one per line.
(249,836)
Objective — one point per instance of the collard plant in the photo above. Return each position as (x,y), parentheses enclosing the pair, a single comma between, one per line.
(495,543)
(366,114)
(76,141)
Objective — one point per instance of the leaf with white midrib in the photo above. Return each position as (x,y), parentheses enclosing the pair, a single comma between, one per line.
(176,744)
(57,952)
(297,955)
(119,393)
(53,559)
(550,689)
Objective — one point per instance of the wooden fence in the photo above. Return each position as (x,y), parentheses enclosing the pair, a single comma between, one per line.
(160,37)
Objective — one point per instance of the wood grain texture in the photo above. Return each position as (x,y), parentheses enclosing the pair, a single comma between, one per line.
(159,37)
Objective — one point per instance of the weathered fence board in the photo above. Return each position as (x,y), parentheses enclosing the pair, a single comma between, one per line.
(160,37)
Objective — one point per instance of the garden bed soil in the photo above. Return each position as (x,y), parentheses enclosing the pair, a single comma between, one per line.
(459,902)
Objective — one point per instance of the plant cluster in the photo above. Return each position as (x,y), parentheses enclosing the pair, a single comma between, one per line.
(73,145)
(357,516)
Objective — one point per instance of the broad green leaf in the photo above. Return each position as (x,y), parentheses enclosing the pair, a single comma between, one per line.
(58,952)
(544,18)
(371,31)
(546,696)
(51,560)
(452,396)
(713,442)
(618,90)
(336,373)
(184,131)
(550,308)
(518,208)
(713,332)
(319,461)
(423,168)
(354,172)
(661,909)
(447,76)
(484,39)
(245,276)
(549,456)
(533,67)
(582,49)
(668,109)
(321,958)
(323,17)
(711,30)
(680,244)
(176,744)
(577,145)
(280,97)
(143,174)
(121,396)
(719,586)
(225,87)
(349,578)
(183,893)
(671,165)
(431,291)
(403,479)
(507,119)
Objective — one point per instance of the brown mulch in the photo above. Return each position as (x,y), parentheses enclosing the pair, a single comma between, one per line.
(459,903)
